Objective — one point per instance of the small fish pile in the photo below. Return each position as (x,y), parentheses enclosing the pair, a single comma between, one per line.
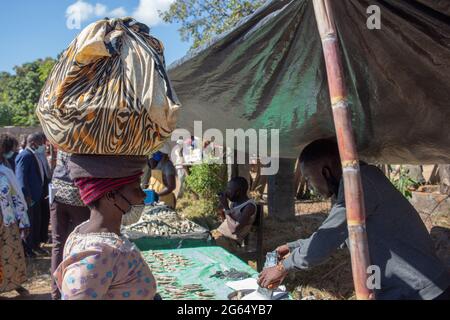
(161,221)
(160,262)
(169,286)
(231,274)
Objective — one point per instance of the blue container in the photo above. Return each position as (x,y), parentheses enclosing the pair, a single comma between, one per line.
(151,196)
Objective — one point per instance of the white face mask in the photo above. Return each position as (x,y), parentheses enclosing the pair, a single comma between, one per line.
(133,215)
(8,155)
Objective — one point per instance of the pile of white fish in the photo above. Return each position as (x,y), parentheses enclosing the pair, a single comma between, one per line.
(160,221)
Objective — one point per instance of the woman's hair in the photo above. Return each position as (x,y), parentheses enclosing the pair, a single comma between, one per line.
(7,143)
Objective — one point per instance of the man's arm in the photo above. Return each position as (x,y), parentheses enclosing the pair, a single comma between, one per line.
(307,253)
(145,180)
(22,169)
(169,182)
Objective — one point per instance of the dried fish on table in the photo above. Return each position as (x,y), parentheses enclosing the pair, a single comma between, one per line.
(161,221)
(231,274)
(205,295)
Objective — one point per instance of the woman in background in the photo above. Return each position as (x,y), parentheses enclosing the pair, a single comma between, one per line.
(14,225)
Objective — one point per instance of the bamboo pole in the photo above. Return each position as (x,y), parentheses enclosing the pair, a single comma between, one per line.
(354,200)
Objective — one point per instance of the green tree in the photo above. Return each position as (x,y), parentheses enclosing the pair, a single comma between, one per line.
(201,20)
(207,179)
(19,93)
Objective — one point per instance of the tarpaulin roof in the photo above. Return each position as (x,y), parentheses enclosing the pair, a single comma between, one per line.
(269,73)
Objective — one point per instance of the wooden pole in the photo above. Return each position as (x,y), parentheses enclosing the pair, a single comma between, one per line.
(354,199)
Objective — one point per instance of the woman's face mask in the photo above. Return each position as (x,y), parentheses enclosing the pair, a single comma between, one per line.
(133,214)
(8,155)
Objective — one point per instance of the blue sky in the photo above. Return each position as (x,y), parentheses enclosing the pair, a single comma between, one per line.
(32,29)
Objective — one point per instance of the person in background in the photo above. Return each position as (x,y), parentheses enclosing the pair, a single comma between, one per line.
(31,177)
(45,206)
(162,179)
(238,218)
(23,142)
(399,243)
(66,212)
(180,167)
(9,148)
(14,226)
(100,263)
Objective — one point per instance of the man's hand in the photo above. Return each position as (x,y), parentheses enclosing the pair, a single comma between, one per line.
(29,201)
(282,251)
(272,277)
(223,200)
(24,233)
(221,214)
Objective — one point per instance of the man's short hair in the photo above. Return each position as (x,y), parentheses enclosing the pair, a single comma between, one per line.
(43,136)
(241,182)
(319,149)
(34,137)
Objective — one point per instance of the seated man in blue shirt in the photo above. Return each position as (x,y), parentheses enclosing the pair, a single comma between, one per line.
(399,243)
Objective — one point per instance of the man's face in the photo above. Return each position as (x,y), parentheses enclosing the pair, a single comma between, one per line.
(232,192)
(315,176)
(35,143)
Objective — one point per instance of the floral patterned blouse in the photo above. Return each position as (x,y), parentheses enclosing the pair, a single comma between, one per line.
(103,266)
(12,206)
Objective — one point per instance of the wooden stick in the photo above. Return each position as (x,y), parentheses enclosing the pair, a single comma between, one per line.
(354,199)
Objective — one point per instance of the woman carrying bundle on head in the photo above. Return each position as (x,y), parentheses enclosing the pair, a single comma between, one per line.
(100,263)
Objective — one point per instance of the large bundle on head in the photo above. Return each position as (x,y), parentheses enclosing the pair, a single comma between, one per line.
(109,93)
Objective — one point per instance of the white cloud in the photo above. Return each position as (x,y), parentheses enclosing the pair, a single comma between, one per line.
(100,9)
(118,13)
(147,11)
(82,11)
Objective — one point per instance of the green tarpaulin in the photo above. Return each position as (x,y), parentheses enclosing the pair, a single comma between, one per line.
(269,73)
(159,243)
(206,262)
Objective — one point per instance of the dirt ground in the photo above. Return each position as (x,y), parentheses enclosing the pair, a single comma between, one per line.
(331,280)
(39,281)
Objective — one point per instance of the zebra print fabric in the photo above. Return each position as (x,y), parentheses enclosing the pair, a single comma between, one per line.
(109,92)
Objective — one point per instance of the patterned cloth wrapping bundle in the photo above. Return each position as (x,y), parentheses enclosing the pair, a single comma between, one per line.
(67,193)
(109,93)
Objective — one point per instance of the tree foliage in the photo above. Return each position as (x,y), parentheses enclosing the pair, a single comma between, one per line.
(201,20)
(19,93)
(207,179)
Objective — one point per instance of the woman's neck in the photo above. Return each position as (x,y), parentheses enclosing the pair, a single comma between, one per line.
(98,223)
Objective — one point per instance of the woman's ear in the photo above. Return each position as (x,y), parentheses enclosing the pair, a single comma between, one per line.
(111,196)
